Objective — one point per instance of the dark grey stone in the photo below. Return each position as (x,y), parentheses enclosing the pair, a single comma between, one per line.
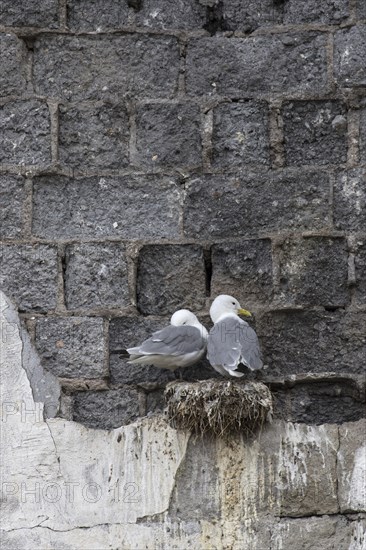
(313,341)
(132,207)
(240,134)
(315,132)
(162,14)
(96,276)
(12,62)
(363,135)
(314,271)
(11,206)
(106,409)
(283,63)
(200,371)
(246,15)
(72,347)
(244,270)
(350,200)
(360,267)
(28,274)
(349,56)
(170,277)
(155,402)
(32,13)
(325,403)
(94,136)
(25,133)
(103,67)
(92,15)
(146,376)
(168,135)
(326,12)
(197,492)
(223,206)
(361,9)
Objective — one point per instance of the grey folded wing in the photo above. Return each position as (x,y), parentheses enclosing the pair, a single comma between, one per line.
(172,340)
(232,342)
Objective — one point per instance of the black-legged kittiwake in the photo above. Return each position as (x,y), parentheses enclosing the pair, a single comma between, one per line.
(181,344)
(231,341)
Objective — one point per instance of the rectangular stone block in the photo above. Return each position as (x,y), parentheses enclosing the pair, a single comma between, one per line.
(223,206)
(360,269)
(94,136)
(314,272)
(96,276)
(161,135)
(162,14)
(350,200)
(126,332)
(349,56)
(104,67)
(295,342)
(240,135)
(106,409)
(25,133)
(28,274)
(72,347)
(12,196)
(130,207)
(244,270)
(33,13)
(246,15)
(170,277)
(327,12)
(352,467)
(315,132)
(97,15)
(12,62)
(285,63)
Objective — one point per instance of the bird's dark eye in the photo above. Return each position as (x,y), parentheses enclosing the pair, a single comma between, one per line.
(233,303)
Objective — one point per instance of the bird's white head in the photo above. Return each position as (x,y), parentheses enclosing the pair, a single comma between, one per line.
(184,317)
(224,304)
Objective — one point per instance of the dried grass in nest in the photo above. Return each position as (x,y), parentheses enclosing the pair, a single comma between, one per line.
(221,407)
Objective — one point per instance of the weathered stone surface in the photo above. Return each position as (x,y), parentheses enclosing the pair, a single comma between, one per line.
(178,282)
(162,131)
(325,403)
(198,470)
(125,332)
(244,270)
(314,271)
(222,206)
(94,136)
(352,467)
(349,56)
(158,14)
(245,15)
(130,207)
(12,58)
(72,347)
(28,274)
(11,206)
(93,67)
(350,200)
(33,13)
(96,276)
(25,133)
(361,9)
(360,269)
(283,63)
(315,132)
(155,402)
(313,341)
(97,15)
(45,387)
(106,409)
(363,135)
(329,12)
(240,134)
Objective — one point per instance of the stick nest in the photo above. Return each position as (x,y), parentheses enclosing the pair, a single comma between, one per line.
(219,407)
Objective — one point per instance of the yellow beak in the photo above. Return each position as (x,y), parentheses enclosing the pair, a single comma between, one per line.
(244,312)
